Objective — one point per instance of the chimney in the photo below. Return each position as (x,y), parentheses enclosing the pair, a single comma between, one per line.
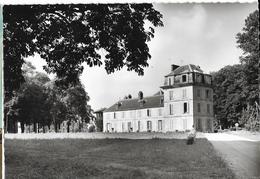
(140,95)
(118,105)
(174,67)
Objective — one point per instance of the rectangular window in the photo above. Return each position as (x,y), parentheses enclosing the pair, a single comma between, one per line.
(114,115)
(184,91)
(171,109)
(171,95)
(198,107)
(159,125)
(208,108)
(185,107)
(123,127)
(139,126)
(123,114)
(198,93)
(148,112)
(170,82)
(159,112)
(149,125)
(207,93)
(184,78)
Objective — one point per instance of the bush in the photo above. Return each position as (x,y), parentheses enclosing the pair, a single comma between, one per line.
(190,140)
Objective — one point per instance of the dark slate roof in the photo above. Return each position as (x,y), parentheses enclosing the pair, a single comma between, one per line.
(133,104)
(185,69)
(100,110)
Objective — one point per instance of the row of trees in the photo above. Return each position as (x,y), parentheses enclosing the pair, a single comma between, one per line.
(41,103)
(236,88)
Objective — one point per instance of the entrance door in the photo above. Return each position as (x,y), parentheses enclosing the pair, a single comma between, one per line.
(108,127)
(159,125)
(139,126)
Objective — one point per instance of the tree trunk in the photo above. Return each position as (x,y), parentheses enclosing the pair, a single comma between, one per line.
(68,127)
(6,124)
(55,127)
(34,127)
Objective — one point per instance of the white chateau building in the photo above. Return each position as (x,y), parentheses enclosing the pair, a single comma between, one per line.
(185,100)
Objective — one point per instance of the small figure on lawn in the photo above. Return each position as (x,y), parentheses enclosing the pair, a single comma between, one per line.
(191,136)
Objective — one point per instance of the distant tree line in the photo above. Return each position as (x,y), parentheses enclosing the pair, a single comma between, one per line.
(236,87)
(41,103)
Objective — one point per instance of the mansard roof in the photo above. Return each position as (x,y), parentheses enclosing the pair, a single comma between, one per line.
(134,104)
(185,69)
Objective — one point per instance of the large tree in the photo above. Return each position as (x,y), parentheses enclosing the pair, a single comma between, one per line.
(29,105)
(68,35)
(228,101)
(236,88)
(76,100)
(248,41)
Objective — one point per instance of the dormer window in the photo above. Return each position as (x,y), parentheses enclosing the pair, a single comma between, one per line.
(170,81)
(184,78)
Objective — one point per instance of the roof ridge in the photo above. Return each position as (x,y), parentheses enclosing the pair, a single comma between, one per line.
(143,97)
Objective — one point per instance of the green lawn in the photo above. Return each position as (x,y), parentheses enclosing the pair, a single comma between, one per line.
(112,158)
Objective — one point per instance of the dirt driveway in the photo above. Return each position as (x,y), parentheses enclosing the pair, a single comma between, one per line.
(242,154)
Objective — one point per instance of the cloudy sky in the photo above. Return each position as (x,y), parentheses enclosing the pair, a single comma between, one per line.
(200,34)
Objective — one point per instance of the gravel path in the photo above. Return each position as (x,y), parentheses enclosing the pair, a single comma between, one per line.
(241,153)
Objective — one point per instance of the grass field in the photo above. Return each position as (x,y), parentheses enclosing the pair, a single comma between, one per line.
(113,158)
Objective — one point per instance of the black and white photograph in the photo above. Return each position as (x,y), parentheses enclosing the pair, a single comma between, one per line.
(130,90)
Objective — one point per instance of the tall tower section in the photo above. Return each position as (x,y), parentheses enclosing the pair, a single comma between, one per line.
(188,99)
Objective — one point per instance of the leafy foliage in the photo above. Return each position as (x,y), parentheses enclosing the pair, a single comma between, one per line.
(236,87)
(41,103)
(250,117)
(248,41)
(68,35)
(228,101)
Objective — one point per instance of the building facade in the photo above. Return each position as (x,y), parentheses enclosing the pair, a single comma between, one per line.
(185,100)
